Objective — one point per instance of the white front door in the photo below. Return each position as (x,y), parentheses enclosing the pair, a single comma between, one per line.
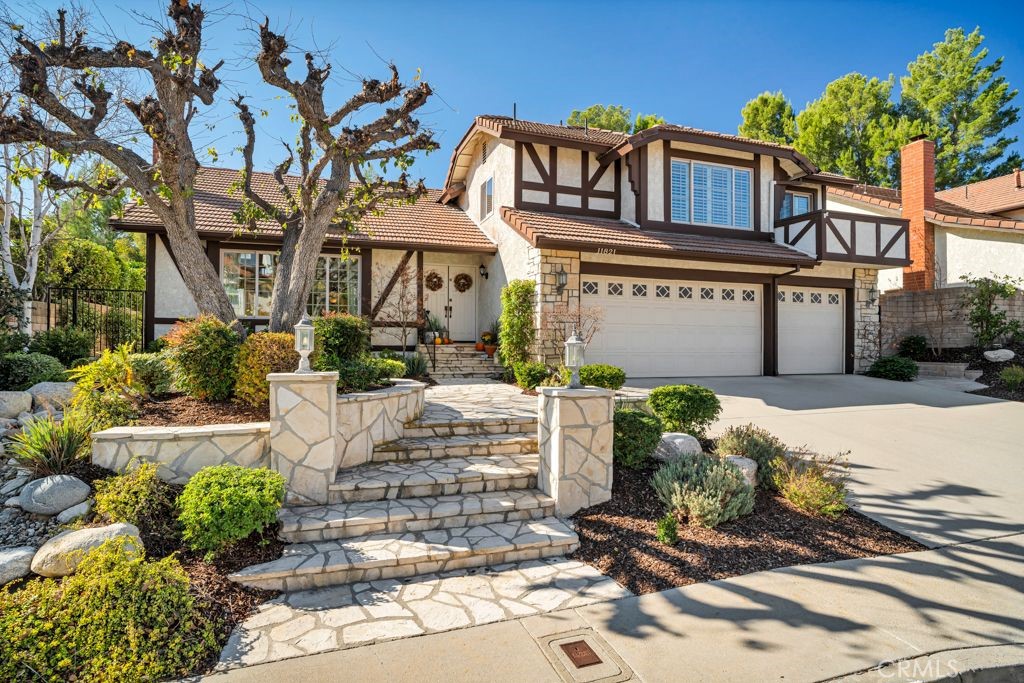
(456,309)
(811,330)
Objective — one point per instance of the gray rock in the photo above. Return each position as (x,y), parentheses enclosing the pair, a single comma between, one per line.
(13,502)
(13,403)
(62,554)
(74,512)
(12,487)
(674,444)
(15,563)
(53,494)
(8,423)
(51,396)
(747,466)
(26,417)
(999,355)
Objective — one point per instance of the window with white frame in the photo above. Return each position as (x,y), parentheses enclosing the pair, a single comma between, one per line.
(795,204)
(248,278)
(486,198)
(711,194)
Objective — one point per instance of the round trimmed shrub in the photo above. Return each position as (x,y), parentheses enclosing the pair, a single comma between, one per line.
(66,344)
(138,496)
(530,373)
(107,392)
(637,435)
(153,372)
(261,354)
(895,368)
(914,347)
(687,408)
(19,371)
(227,503)
(602,375)
(707,490)
(755,443)
(203,356)
(385,368)
(339,338)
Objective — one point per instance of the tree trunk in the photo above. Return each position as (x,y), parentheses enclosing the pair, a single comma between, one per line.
(199,274)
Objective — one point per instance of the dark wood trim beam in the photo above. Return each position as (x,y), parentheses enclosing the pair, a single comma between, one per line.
(850,324)
(810,281)
(213,253)
(366,282)
(666,273)
(404,263)
(149,312)
(420,314)
(770,327)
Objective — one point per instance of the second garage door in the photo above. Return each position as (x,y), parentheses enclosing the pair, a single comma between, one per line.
(657,328)
(811,330)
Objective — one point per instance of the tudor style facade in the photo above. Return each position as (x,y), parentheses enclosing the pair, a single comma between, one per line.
(707,254)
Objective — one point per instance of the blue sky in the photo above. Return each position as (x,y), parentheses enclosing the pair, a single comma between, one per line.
(693,63)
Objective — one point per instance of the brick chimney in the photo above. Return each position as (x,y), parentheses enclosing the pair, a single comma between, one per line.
(917,186)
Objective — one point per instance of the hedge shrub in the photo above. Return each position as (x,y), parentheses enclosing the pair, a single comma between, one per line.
(530,373)
(1012,376)
(107,393)
(12,341)
(637,435)
(260,354)
(138,496)
(705,489)
(153,372)
(755,443)
(47,446)
(813,483)
(687,408)
(516,332)
(667,531)
(19,371)
(602,375)
(895,368)
(914,347)
(203,354)
(66,344)
(227,503)
(339,338)
(118,618)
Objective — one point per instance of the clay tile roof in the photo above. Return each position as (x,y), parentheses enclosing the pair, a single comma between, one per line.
(987,196)
(720,136)
(944,212)
(562,231)
(597,136)
(426,223)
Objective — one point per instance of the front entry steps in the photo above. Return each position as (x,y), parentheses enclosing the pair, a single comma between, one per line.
(384,556)
(461,361)
(422,448)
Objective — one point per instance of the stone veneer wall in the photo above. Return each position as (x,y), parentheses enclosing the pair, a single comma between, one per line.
(369,418)
(866,320)
(183,451)
(303,432)
(575,432)
(936,314)
(545,263)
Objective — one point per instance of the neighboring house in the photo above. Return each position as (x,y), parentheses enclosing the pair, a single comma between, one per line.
(709,254)
(975,229)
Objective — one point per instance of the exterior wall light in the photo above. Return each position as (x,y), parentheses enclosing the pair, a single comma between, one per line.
(561,279)
(304,342)
(483,272)
(574,359)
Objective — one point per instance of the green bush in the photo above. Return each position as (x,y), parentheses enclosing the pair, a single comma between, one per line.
(203,356)
(12,341)
(687,408)
(339,338)
(516,332)
(602,375)
(82,263)
(1012,376)
(668,529)
(227,503)
(261,354)
(755,443)
(813,483)
(118,618)
(707,490)
(153,372)
(356,375)
(895,368)
(637,435)
(138,496)
(47,447)
(988,322)
(385,368)
(913,347)
(107,394)
(530,373)
(416,365)
(66,344)
(19,371)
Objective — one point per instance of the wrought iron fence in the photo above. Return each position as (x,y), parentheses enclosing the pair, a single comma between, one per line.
(114,316)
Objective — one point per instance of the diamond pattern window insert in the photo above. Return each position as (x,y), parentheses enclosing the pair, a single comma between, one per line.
(728,295)
(639,289)
(685,292)
(815,297)
(662,291)
(749,295)
(833,299)
(782,297)
(590,288)
(707,294)
(798,297)
(614,289)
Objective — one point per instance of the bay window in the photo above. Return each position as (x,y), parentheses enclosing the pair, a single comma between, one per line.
(711,194)
(248,278)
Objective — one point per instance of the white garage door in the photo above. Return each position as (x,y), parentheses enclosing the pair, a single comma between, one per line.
(811,330)
(669,328)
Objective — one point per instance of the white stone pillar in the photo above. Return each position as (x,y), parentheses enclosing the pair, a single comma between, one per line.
(575,432)
(303,430)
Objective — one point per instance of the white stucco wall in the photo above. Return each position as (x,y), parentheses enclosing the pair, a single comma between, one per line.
(888,278)
(173,300)
(655,182)
(970,251)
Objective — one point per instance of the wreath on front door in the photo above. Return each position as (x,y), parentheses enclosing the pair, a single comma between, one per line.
(463,282)
(433,281)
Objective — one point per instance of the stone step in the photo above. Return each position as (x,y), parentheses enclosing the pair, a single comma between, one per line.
(368,558)
(420,448)
(483,425)
(347,520)
(430,477)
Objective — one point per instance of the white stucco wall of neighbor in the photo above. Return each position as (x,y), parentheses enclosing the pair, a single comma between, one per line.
(173,300)
(969,251)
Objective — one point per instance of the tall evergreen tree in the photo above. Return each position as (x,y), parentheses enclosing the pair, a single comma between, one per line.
(613,117)
(769,117)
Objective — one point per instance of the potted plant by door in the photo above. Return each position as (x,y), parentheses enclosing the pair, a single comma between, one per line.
(479,346)
(488,343)
(434,327)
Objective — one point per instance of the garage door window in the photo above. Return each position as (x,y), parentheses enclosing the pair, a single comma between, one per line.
(707,294)
(614,289)
(728,295)
(749,295)
(815,297)
(590,288)
(798,297)
(662,291)
(639,290)
(833,299)
(782,297)
(686,292)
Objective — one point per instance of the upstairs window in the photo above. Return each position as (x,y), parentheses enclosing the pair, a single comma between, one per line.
(796,203)
(486,198)
(711,194)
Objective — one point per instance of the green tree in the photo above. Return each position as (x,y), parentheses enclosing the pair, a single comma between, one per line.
(80,263)
(613,117)
(645,121)
(769,117)
(965,105)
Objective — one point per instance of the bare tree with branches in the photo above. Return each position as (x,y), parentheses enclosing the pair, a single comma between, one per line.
(563,319)
(399,313)
(333,185)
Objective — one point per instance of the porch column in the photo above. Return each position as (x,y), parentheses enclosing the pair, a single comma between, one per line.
(303,431)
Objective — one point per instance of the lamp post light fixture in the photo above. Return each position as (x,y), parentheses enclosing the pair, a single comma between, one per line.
(574,359)
(304,342)
(561,279)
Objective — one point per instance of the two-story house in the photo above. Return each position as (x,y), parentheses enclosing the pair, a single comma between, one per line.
(707,254)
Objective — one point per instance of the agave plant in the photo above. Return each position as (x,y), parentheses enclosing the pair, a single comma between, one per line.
(47,446)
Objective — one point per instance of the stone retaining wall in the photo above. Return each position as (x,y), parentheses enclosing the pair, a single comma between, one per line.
(183,451)
(371,418)
(936,314)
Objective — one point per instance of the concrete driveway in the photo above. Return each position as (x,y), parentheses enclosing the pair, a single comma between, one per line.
(940,466)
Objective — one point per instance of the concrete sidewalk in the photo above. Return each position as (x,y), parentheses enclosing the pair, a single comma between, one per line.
(937,612)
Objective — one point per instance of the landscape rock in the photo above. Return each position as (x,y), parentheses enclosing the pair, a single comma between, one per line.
(51,396)
(999,355)
(747,466)
(674,444)
(14,403)
(12,487)
(15,563)
(53,494)
(13,502)
(26,417)
(62,554)
(74,512)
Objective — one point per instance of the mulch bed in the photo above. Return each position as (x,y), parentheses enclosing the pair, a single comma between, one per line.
(990,374)
(188,411)
(618,538)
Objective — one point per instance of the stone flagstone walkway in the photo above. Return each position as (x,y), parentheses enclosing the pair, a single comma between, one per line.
(308,622)
(480,399)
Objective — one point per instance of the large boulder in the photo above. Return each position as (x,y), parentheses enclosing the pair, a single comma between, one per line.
(51,396)
(54,494)
(746,465)
(999,355)
(62,554)
(14,403)
(674,444)
(15,563)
